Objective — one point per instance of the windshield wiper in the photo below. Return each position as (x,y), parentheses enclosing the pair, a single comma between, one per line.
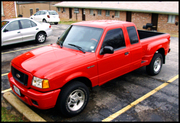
(80,48)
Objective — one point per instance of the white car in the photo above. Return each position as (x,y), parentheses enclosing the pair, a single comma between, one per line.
(50,16)
(19,30)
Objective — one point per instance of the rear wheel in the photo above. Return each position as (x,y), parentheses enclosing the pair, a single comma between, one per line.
(73,99)
(155,66)
(44,20)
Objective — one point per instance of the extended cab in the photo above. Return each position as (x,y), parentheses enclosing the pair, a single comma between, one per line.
(87,54)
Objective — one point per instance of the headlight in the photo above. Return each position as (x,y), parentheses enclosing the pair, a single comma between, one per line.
(40,83)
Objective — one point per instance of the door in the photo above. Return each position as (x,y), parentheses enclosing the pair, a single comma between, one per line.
(29,29)
(136,48)
(11,33)
(154,21)
(70,13)
(83,15)
(128,16)
(113,65)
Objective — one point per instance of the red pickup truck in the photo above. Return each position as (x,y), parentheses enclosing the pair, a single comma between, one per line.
(87,54)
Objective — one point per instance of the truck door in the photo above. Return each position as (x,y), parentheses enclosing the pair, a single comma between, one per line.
(135,48)
(113,65)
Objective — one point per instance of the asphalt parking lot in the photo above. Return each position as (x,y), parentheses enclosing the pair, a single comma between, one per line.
(123,96)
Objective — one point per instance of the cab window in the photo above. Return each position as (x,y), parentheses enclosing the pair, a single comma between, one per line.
(114,38)
(132,34)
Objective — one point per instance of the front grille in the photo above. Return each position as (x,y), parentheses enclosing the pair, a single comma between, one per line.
(19,76)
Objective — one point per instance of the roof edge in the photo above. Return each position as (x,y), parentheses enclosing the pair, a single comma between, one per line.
(132,10)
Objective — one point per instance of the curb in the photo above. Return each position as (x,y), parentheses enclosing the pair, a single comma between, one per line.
(22,108)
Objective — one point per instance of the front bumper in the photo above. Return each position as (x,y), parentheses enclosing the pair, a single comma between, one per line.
(35,98)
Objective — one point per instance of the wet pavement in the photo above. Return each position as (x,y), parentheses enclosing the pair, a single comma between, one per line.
(118,93)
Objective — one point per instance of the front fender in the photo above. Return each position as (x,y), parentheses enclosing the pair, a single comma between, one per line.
(74,76)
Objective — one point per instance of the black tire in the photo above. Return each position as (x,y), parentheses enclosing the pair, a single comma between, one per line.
(155,66)
(73,99)
(41,37)
(44,20)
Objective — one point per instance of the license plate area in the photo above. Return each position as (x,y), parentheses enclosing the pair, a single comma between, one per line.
(16,89)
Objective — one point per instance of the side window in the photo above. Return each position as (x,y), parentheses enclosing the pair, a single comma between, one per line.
(12,26)
(25,24)
(43,12)
(132,35)
(114,38)
(38,13)
(33,24)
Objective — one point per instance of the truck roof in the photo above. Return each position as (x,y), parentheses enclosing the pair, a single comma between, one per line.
(100,23)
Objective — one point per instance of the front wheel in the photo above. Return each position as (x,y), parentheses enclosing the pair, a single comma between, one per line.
(73,99)
(155,66)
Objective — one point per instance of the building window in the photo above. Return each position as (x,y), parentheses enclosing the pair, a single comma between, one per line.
(64,10)
(99,12)
(116,13)
(76,10)
(37,9)
(107,12)
(91,11)
(59,9)
(171,19)
(31,12)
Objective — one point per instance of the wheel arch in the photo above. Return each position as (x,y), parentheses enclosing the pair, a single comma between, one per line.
(162,52)
(82,79)
(41,32)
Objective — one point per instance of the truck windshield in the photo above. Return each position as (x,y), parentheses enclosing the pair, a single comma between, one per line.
(84,37)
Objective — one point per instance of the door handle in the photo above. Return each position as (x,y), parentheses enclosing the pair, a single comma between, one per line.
(37,28)
(126,53)
(18,32)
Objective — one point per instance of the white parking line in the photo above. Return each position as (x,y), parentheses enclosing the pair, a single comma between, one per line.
(6,90)
(118,113)
(4,74)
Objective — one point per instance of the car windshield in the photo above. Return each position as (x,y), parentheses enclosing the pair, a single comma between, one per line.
(53,13)
(84,37)
(3,23)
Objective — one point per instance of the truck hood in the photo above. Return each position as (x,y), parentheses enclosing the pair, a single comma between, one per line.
(41,60)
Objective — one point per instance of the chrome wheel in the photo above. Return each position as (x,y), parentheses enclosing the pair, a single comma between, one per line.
(76,100)
(157,64)
(41,38)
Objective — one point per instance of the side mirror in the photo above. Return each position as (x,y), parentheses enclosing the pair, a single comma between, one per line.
(34,14)
(107,50)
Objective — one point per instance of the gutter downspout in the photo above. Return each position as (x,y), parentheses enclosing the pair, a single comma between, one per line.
(15,8)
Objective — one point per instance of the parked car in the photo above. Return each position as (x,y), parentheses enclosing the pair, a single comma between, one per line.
(50,16)
(86,55)
(19,30)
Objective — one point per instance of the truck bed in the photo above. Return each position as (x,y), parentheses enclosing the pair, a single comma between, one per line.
(146,34)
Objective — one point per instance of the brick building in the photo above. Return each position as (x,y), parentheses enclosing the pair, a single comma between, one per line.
(11,9)
(8,9)
(163,15)
(28,8)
